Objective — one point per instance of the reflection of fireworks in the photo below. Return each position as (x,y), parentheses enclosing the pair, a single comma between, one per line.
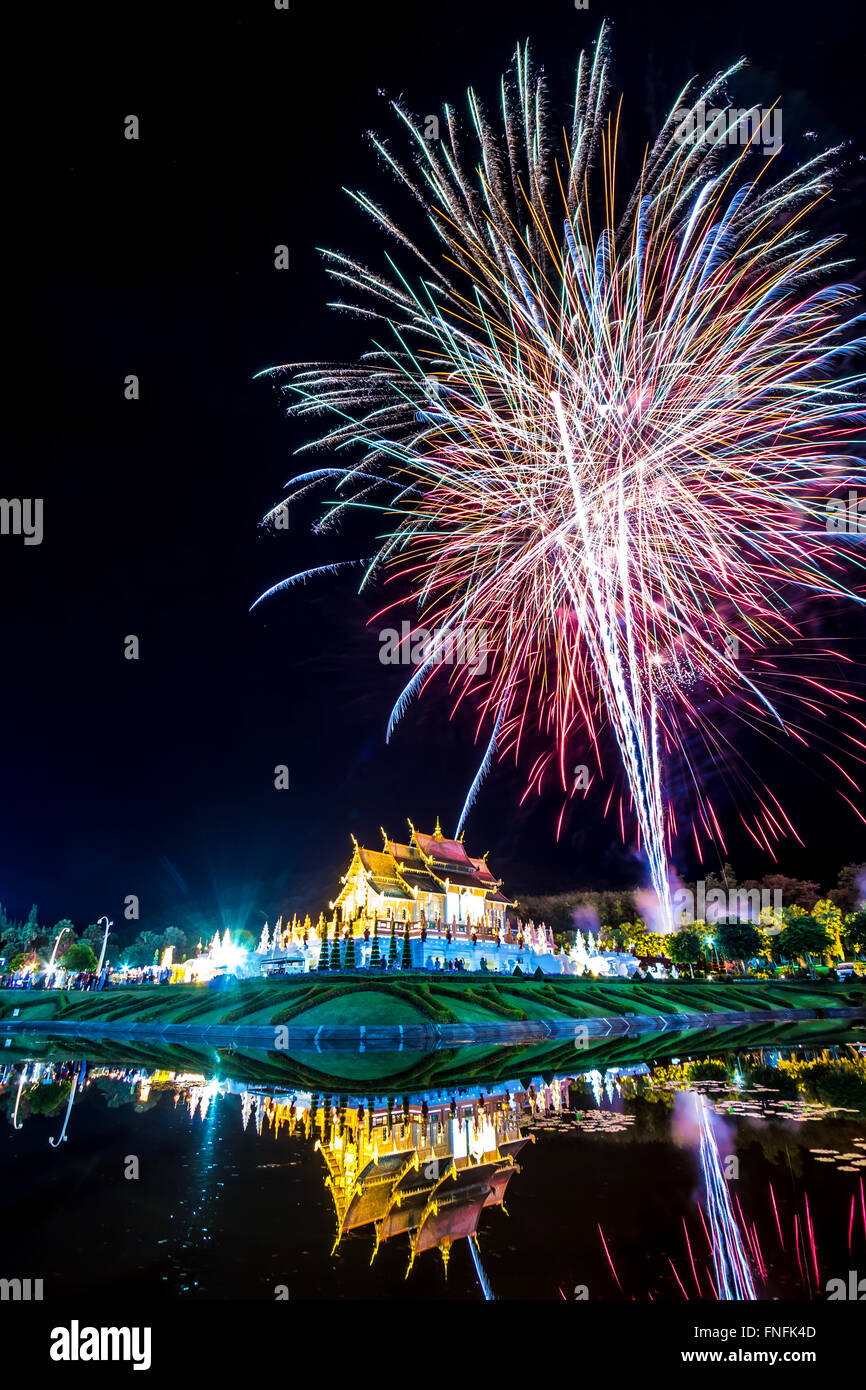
(599,439)
(733,1275)
(484,1282)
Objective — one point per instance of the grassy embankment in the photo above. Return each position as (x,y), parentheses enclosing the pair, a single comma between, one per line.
(350,1000)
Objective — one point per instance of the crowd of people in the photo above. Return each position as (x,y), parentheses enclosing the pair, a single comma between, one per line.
(84,979)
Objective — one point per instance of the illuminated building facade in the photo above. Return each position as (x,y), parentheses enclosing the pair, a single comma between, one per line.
(449,904)
(430,880)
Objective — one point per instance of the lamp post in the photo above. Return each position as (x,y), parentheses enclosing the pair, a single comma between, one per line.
(108,926)
(50,966)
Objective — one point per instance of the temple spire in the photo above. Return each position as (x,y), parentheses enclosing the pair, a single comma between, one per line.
(437,833)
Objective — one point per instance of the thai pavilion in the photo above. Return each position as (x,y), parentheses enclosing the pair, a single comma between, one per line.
(447,910)
(451,906)
(430,880)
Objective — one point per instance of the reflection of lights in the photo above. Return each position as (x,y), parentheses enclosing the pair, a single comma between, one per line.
(15,1124)
(733,1276)
(479,1270)
(594,1079)
(733,1245)
(79,1084)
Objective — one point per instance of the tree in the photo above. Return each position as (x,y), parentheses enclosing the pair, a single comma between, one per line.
(796,892)
(854,932)
(726,879)
(69,934)
(828,915)
(616,938)
(349,961)
(93,934)
(583,908)
(80,956)
(648,943)
(375,959)
(848,896)
(16,936)
(685,947)
(739,941)
(803,937)
(335,950)
(323,953)
(143,949)
(406,958)
(392,948)
(176,939)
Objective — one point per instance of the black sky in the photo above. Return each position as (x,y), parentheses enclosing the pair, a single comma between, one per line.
(155,257)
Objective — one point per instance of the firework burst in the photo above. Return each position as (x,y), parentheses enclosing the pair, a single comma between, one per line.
(605,439)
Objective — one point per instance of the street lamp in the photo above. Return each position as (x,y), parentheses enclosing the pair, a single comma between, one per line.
(50,965)
(108,926)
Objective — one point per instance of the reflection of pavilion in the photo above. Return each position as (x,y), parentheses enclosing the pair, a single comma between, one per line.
(428,1177)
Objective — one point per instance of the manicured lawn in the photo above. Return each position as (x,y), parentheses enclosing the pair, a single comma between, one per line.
(359,1009)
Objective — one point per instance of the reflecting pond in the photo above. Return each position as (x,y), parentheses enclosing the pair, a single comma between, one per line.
(693,1166)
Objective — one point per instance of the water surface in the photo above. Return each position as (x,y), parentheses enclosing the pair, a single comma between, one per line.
(694,1167)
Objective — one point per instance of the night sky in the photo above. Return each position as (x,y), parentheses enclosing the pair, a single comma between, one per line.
(156,257)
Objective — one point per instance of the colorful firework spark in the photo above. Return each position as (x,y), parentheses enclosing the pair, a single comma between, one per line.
(606,440)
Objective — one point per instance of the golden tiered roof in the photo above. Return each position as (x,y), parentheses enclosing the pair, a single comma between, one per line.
(427,864)
(405,1179)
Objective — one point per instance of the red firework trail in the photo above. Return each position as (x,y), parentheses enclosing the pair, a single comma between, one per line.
(691,1257)
(797,1246)
(704,1224)
(678,1279)
(812,1240)
(776,1214)
(759,1254)
(609,1260)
